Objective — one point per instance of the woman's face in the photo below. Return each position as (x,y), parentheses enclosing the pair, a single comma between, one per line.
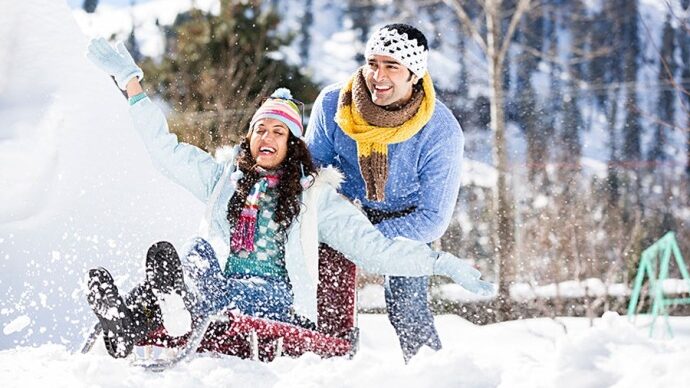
(268,143)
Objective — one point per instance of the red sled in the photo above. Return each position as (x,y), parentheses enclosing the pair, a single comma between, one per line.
(264,339)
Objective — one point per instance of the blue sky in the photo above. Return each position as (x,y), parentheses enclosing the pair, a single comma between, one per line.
(78,3)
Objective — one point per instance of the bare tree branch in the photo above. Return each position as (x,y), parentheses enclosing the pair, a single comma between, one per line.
(581,55)
(656,120)
(667,68)
(682,23)
(522,6)
(458,7)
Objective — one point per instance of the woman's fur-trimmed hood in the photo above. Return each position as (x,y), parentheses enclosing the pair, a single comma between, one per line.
(329,175)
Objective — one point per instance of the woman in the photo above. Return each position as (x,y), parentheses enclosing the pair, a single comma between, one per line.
(267,211)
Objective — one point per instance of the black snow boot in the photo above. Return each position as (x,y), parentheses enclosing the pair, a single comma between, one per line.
(164,269)
(146,313)
(165,277)
(115,317)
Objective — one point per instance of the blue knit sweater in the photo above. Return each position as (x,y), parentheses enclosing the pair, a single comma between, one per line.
(423,171)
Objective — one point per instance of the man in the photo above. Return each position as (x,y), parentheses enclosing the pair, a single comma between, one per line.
(401,152)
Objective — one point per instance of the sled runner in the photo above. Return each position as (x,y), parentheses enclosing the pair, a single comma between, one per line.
(263,339)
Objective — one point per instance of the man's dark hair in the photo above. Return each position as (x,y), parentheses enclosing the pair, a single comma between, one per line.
(412,33)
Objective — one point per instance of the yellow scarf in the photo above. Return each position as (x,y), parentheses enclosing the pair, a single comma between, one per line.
(372,141)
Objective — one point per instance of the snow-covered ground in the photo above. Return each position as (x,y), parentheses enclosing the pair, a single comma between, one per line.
(532,353)
(77,188)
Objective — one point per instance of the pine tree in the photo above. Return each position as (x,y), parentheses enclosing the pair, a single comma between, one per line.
(90,6)
(464,76)
(606,69)
(217,68)
(307,22)
(554,95)
(568,195)
(133,46)
(666,99)
(632,129)
(572,126)
(684,43)
(529,114)
(360,12)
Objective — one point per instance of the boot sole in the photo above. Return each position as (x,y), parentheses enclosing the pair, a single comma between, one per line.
(111,311)
(164,269)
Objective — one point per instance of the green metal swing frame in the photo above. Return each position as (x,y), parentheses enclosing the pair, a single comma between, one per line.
(654,264)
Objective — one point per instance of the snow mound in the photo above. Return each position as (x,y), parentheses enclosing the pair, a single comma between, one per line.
(77,188)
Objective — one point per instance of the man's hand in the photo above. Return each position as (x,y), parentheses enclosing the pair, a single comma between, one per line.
(463,274)
(117,62)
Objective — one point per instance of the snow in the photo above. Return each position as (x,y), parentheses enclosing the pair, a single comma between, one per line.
(371,296)
(675,286)
(448,70)
(17,325)
(118,21)
(176,318)
(530,353)
(78,188)
(475,173)
(78,191)
(567,289)
(335,56)
(456,293)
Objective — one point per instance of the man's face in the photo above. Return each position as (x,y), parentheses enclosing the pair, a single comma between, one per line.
(268,143)
(389,82)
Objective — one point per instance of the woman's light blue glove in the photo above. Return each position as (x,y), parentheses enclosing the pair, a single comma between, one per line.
(116,62)
(463,274)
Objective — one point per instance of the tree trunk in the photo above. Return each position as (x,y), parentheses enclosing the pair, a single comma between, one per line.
(503,202)
(687,159)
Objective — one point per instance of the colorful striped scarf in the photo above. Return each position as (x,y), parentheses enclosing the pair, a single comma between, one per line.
(245,228)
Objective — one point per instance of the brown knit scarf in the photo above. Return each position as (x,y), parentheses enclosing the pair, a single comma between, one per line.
(373,162)
(379,116)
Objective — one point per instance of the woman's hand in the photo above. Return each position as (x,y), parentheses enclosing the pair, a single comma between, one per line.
(463,274)
(117,62)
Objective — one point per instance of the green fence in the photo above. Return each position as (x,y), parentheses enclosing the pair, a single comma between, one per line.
(654,265)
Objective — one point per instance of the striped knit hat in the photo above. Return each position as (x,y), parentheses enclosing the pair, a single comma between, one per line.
(281,106)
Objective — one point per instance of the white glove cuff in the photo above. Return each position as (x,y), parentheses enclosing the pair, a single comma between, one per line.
(123,79)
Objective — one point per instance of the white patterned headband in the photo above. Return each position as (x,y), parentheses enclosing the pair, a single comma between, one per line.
(409,52)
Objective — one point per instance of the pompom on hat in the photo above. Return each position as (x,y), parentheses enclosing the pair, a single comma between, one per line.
(404,43)
(281,106)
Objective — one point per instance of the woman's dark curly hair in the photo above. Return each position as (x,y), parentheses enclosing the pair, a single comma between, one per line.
(289,188)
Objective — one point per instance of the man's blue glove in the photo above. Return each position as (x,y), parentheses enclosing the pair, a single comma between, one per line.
(463,274)
(116,62)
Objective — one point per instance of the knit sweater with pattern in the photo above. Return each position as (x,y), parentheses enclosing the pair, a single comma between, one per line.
(267,260)
(423,172)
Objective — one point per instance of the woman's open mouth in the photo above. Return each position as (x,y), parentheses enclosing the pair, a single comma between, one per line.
(267,151)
